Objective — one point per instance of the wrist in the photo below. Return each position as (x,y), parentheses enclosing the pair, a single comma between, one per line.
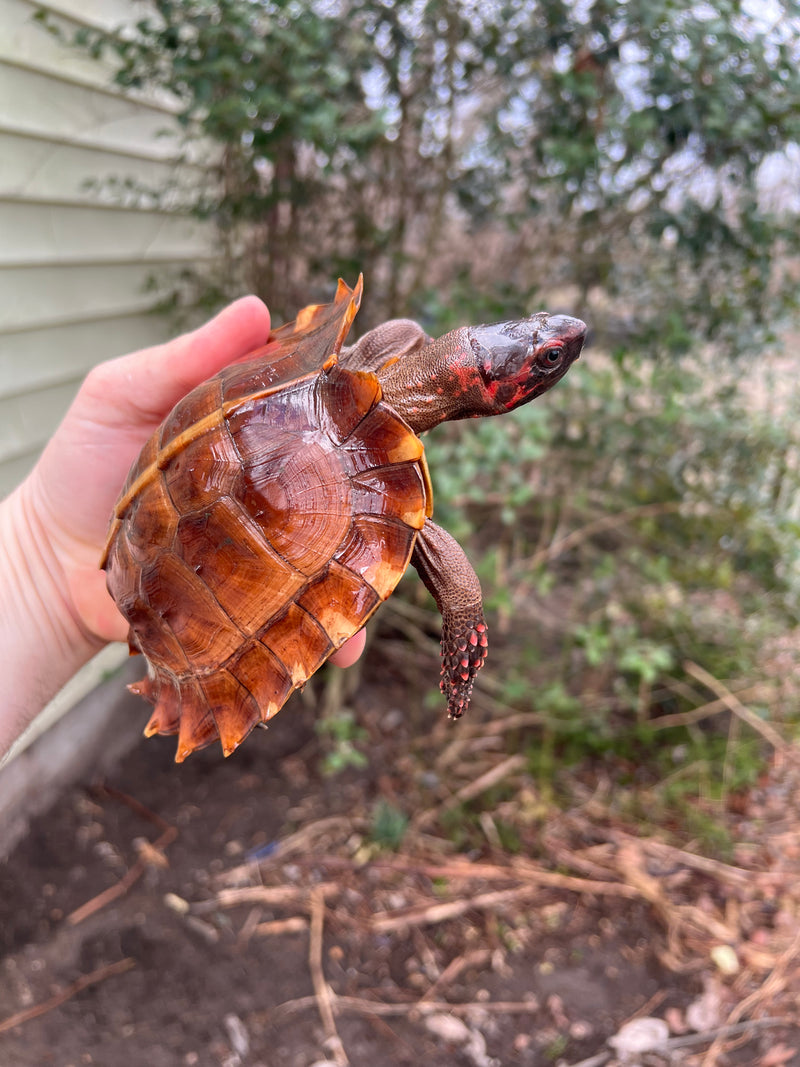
(43,638)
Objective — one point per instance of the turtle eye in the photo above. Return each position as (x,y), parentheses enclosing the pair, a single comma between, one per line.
(552,355)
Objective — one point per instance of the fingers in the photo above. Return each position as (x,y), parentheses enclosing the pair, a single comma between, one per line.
(350,650)
(143,387)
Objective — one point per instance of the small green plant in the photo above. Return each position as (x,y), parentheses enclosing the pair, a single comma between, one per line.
(342,734)
(388,825)
(556,1048)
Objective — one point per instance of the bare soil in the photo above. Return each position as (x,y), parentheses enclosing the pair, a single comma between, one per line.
(251,919)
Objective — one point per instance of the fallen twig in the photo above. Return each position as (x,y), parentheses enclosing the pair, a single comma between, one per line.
(478,958)
(248,927)
(630,859)
(532,877)
(705,711)
(729,1030)
(430,914)
(297,924)
(322,991)
(685,1040)
(135,805)
(725,872)
(132,875)
(769,733)
(775,981)
(427,915)
(473,789)
(302,841)
(595,1061)
(274,895)
(98,975)
(415,1007)
(150,852)
(488,780)
(504,721)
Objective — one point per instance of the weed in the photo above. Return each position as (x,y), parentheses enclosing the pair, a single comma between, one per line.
(341,734)
(388,825)
(556,1048)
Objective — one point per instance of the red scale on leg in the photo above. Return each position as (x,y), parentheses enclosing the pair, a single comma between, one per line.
(463,655)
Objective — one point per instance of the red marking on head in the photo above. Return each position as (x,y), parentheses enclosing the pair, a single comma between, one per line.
(520,360)
(513,390)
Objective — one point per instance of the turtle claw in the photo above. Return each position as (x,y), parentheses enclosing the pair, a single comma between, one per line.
(463,653)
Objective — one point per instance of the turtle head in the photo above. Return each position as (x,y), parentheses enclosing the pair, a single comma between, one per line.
(517,361)
(481,370)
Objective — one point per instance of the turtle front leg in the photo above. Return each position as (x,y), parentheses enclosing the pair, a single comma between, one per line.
(392,340)
(448,574)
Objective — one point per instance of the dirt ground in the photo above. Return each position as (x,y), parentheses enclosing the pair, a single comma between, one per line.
(251,919)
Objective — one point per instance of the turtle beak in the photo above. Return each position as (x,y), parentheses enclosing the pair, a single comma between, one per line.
(572,332)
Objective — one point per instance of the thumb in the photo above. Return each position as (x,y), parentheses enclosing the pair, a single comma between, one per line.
(143,387)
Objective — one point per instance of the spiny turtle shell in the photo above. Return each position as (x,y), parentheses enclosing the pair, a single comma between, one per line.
(263,523)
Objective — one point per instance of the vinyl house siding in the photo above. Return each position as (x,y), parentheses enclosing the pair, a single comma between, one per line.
(79,246)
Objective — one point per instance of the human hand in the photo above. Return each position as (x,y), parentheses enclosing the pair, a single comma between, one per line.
(76,483)
(56,611)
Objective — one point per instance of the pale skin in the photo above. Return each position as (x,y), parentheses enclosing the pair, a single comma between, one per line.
(55,611)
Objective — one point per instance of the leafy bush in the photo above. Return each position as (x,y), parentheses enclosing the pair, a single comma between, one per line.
(622,149)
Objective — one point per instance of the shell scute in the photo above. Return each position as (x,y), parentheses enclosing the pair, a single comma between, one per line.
(181,708)
(256,376)
(254,423)
(303,505)
(296,349)
(345,398)
(147,627)
(147,459)
(264,676)
(187,607)
(166,717)
(396,493)
(229,554)
(197,726)
(377,551)
(233,707)
(390,441)
(203,401)
(148,630)
(298,641)
(152,524)
(205,469)
(340,602)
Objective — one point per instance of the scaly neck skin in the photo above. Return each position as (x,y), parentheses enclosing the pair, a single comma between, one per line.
(433,384)
(481,370)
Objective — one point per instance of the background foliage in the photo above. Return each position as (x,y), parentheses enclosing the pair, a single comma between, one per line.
(634,163)
(624,150)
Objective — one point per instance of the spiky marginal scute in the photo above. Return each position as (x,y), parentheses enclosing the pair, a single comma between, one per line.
(465,644)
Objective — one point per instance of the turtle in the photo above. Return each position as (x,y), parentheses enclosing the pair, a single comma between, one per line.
(281,501)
